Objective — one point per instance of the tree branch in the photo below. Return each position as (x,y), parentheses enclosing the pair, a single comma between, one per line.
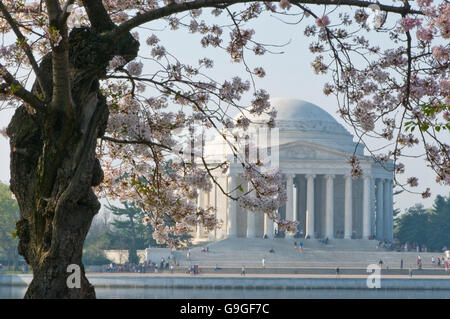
(186,6)
(24,45)
(53,10)
(136,142)
(19,91)
(62,96)
(64,15)
(98,16)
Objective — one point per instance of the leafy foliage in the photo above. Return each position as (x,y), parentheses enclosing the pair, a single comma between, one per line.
(128,230)
(9,214)
(426,226)
(92,255)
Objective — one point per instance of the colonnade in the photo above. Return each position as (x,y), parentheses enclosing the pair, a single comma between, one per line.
(322,205)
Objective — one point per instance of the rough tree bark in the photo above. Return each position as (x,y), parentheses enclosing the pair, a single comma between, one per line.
(53,166)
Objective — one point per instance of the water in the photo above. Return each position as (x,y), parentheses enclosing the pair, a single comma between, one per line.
(236,293)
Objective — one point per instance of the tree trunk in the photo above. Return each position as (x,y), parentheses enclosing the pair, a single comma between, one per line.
(53,168)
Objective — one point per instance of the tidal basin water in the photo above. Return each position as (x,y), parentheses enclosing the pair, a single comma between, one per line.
(179,286)
(237,293)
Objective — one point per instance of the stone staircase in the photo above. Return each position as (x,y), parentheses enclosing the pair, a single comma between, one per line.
(249,252)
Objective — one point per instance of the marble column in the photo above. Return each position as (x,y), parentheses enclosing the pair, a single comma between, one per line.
(290,201)
(372,207)
(295,205)
(251,220)
(387,188)
(366,207)
(310,205)
(329,213)
(199,204)
(348,228)
(379,204)
(391,210)
(232,207)
(268,226)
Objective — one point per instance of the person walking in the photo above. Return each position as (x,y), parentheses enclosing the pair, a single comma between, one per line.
(401,263)
(243,271)
(263,262)
(301,246)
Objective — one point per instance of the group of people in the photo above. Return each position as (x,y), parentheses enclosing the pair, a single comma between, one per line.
(244,271)
(299,247)
(205,249)
(436,262)
(389,245)
(440,262)
(386,265)
(386,244)
(23,267)
(145,267)
(193,270)
(412,247)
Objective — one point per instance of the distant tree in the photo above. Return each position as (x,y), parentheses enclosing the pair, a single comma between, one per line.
(97,240)
(129,229)
(9,214)
(426,226)
(92,255)
(395,193)
(439,235)
(412,226)
(101,224)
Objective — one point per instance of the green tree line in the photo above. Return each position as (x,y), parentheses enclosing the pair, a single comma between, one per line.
(124,230)
(429,227)
(115,228)
(9,214)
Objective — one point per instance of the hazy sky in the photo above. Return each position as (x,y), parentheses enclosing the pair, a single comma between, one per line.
(288,75)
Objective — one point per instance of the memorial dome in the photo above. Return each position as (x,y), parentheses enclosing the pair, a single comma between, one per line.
(299,115)
(299,120)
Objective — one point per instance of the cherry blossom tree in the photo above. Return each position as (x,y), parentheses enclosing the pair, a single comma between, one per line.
(93,118)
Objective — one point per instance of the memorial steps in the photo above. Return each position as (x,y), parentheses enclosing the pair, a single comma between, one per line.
(249,252)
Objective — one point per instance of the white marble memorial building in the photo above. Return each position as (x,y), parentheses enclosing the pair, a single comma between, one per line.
(314,150)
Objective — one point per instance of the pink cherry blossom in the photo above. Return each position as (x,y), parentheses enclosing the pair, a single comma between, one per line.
(285,4)
(323,21)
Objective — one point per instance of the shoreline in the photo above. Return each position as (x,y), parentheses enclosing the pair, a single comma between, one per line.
(251,281)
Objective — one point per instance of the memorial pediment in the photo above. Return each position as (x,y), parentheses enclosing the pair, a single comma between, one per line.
(299,151)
